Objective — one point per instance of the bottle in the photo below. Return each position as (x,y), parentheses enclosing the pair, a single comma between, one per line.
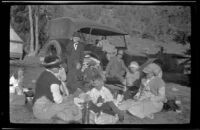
(85,119)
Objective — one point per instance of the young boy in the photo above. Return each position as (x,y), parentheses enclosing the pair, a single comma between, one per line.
(102,104)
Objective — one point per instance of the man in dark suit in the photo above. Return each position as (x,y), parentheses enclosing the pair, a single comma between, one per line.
(75,55)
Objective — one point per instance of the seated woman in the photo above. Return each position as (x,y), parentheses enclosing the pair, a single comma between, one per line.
(132,80)
(150,97)
(48,101)
(116,69)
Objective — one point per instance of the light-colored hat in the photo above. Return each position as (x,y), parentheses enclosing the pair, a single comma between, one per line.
(134,64)
(152,68)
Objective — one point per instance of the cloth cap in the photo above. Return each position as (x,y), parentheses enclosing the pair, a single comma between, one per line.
(51,62)
(152,68)
(134,64)
(76,34)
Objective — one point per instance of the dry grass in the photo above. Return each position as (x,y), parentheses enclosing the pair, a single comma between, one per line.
(23,114)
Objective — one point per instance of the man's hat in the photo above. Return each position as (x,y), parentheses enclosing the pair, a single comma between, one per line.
(52,62)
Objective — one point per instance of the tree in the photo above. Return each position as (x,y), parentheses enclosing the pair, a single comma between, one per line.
(36,30)
(19,20)
(156,22)
(31,32)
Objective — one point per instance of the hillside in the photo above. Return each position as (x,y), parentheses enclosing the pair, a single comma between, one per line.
(165,25)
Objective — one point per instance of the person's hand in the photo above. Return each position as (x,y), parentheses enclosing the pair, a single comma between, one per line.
(61,106)
(77,92)
(124,82)
(143,81)
(87,98)
(136,97)
(78,66)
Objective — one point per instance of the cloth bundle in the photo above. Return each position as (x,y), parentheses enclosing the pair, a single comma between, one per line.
(170,105)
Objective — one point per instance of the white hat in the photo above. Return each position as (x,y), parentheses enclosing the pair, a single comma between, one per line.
(134,64)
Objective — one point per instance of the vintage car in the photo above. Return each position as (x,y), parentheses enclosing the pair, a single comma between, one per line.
(59,29)
(63,28)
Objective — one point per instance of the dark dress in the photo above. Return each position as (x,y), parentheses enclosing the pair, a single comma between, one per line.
(43,83)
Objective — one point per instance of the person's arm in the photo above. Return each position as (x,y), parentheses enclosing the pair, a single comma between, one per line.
(62,74)
(57,97)
(77,92)
(161,95)
(129,80)
(124,66)
(136,97)
(81,52)
(64,89)
(109,66)
(138,94)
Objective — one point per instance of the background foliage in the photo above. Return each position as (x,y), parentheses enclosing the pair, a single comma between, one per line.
(158,23)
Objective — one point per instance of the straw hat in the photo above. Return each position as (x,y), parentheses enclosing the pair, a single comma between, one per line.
(152,68)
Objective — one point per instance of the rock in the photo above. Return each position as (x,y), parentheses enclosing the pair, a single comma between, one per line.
(178,102)
(178,111)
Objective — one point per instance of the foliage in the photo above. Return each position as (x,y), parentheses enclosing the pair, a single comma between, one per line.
(164,23)
(19,20)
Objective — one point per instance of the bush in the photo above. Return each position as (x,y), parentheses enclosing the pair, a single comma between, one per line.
(147,36)
(180,37)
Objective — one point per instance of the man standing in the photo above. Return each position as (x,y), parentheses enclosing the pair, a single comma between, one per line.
(75,55)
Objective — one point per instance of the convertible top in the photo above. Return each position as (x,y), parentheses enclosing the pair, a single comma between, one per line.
(64,27)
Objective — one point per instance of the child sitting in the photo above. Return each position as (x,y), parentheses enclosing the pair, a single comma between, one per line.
(102,103)
(132,80)
(101,106)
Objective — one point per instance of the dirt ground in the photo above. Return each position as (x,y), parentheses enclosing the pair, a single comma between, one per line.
(23,114)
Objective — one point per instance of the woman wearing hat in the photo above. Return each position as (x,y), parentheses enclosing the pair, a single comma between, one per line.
(48,100)
(151,95)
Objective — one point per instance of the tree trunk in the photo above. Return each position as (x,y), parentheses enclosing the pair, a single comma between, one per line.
(36,32)
(31,32)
